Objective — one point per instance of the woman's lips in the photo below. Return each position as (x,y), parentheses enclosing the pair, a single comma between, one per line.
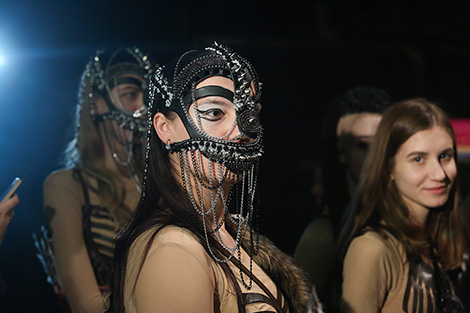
(437,190)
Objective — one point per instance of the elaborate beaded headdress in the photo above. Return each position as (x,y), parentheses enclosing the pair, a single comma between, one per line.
(173,87)
(124,118)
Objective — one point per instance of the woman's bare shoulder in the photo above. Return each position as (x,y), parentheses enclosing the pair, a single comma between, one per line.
(64,185)
(60,177)
(369,241)
(168,235)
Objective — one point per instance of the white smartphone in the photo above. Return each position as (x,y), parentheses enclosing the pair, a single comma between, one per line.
(11,189)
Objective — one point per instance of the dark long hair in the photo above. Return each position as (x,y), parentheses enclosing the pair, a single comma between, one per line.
(158,183)
(379,199)
(163,203)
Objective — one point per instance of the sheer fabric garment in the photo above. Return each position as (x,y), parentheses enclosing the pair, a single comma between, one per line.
(378,278)
(82,233)
(178,275)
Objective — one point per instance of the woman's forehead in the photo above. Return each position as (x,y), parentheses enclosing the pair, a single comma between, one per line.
(221,81)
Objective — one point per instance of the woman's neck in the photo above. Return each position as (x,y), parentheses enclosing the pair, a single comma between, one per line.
(227,239)
(124,180)
(420,216)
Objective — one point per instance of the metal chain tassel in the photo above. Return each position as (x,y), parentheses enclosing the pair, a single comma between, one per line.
(243,189)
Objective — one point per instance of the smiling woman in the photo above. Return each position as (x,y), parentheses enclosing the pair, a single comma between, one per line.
(425,171)
(407,232)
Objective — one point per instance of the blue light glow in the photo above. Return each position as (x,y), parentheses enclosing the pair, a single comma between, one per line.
(3,59)
(5,47)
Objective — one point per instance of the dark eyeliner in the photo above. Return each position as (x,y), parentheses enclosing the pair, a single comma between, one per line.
(211,119)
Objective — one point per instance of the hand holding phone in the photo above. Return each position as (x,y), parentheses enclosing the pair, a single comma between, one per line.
(11,189)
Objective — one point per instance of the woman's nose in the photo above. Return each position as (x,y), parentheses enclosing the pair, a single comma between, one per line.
(237,136)
(437,172)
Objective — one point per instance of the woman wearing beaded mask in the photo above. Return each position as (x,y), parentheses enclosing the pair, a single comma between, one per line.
(94,196)
(407,232)
(183,251)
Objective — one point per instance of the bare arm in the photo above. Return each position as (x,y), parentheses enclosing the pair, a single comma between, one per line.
(364,277)
(175,278)
(63,202)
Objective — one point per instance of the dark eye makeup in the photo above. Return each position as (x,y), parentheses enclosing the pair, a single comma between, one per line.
(212,115)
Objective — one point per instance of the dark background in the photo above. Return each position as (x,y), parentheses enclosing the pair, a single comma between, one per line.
(306,53)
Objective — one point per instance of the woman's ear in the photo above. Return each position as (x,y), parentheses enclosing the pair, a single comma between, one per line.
(161,124)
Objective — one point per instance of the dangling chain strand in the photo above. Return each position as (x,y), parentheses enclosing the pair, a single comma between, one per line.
(217,194)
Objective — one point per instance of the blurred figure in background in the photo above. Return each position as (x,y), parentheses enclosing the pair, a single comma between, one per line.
(88,201)
(349,127)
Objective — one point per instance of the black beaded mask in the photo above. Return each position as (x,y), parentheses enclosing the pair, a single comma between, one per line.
(174,87)
(123,67)
(215,92)
(120,79)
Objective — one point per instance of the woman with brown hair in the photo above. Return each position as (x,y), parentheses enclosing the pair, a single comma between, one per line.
(407,232)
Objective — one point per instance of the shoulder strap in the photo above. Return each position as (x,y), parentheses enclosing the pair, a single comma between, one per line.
(101,265)
(274,302)
(448,301)
(78,173)
(238,291)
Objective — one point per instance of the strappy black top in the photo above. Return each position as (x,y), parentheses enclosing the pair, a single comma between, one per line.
(99,231)
(278,302)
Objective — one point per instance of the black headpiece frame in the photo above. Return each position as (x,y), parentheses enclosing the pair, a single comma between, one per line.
(172,87)
(104,78)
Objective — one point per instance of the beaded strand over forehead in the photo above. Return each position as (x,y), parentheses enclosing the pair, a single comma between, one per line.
(151,97)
